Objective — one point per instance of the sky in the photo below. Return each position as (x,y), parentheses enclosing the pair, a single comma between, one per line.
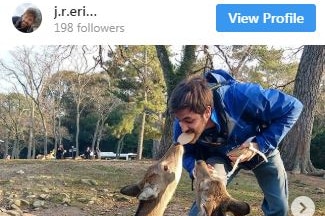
(68,64)
(21,8)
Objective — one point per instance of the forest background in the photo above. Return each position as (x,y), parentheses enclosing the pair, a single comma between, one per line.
(114,97)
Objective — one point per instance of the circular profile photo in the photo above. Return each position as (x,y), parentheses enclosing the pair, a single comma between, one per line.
(27,18)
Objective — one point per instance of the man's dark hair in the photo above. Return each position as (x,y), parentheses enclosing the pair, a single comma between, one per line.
(192,93)
(31,11)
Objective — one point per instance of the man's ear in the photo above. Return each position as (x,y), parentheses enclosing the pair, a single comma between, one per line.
(207,112)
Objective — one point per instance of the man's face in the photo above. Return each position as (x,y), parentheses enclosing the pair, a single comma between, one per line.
(27,20)
(193,122)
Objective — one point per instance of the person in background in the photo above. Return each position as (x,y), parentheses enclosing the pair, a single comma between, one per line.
(60,152)
(24,23)
(87,153)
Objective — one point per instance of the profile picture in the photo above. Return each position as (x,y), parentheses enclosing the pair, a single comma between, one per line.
(27,18)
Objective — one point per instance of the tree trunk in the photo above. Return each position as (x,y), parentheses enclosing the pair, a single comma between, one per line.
(59,130)
(119,147)
(45,135)
(159,124)
(143,120)
(167,67)
(155,147)
(93,142)
(295,148)
(15,145)
(15,149)
(100,133)
(55,129)
(6,149)
(172,78)
(34,150)
(31,131)
(167,137)
(141,136)
(77,132)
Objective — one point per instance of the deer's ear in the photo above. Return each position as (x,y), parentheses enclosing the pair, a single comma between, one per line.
(238,208)
(131,190)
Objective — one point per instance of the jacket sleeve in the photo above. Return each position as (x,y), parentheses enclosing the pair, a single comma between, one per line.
(189,154)
(279,110)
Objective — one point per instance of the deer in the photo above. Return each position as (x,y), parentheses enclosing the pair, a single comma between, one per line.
(49,156)
(211,195)
(156,188)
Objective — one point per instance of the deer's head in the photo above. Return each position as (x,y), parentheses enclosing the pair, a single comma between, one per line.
(212,197)
(159,183)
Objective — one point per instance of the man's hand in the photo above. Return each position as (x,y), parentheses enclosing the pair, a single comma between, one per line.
(243,150)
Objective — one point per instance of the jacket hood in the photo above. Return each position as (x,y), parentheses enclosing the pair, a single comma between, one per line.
(219,76)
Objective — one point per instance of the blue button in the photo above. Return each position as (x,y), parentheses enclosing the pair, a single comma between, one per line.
(266,18)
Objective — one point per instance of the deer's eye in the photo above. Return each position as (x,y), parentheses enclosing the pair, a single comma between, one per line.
(165,167)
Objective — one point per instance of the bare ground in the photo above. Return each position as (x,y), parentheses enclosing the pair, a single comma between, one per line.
(68,187)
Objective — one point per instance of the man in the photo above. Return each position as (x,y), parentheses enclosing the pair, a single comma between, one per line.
(25,22)
(236,115)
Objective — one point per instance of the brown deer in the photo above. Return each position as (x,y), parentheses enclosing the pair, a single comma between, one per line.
(159,183)
(49,156)
(212,197)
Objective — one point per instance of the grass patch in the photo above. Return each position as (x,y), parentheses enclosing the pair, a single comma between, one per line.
(61,180)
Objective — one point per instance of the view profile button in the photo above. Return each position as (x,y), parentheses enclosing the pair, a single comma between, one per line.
(266,18)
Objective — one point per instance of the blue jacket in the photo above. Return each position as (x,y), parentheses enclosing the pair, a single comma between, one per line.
(273,109)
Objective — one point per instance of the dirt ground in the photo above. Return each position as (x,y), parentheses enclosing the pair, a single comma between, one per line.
(80,188)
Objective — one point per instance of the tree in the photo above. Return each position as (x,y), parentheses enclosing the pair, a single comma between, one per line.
(14,120)
(77,97)
(124,126)
(30,67)
(269,66)
(104,102)
(296,146)
(78,80)
(150,89)
(138,82)
(56,88)
(173,75)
